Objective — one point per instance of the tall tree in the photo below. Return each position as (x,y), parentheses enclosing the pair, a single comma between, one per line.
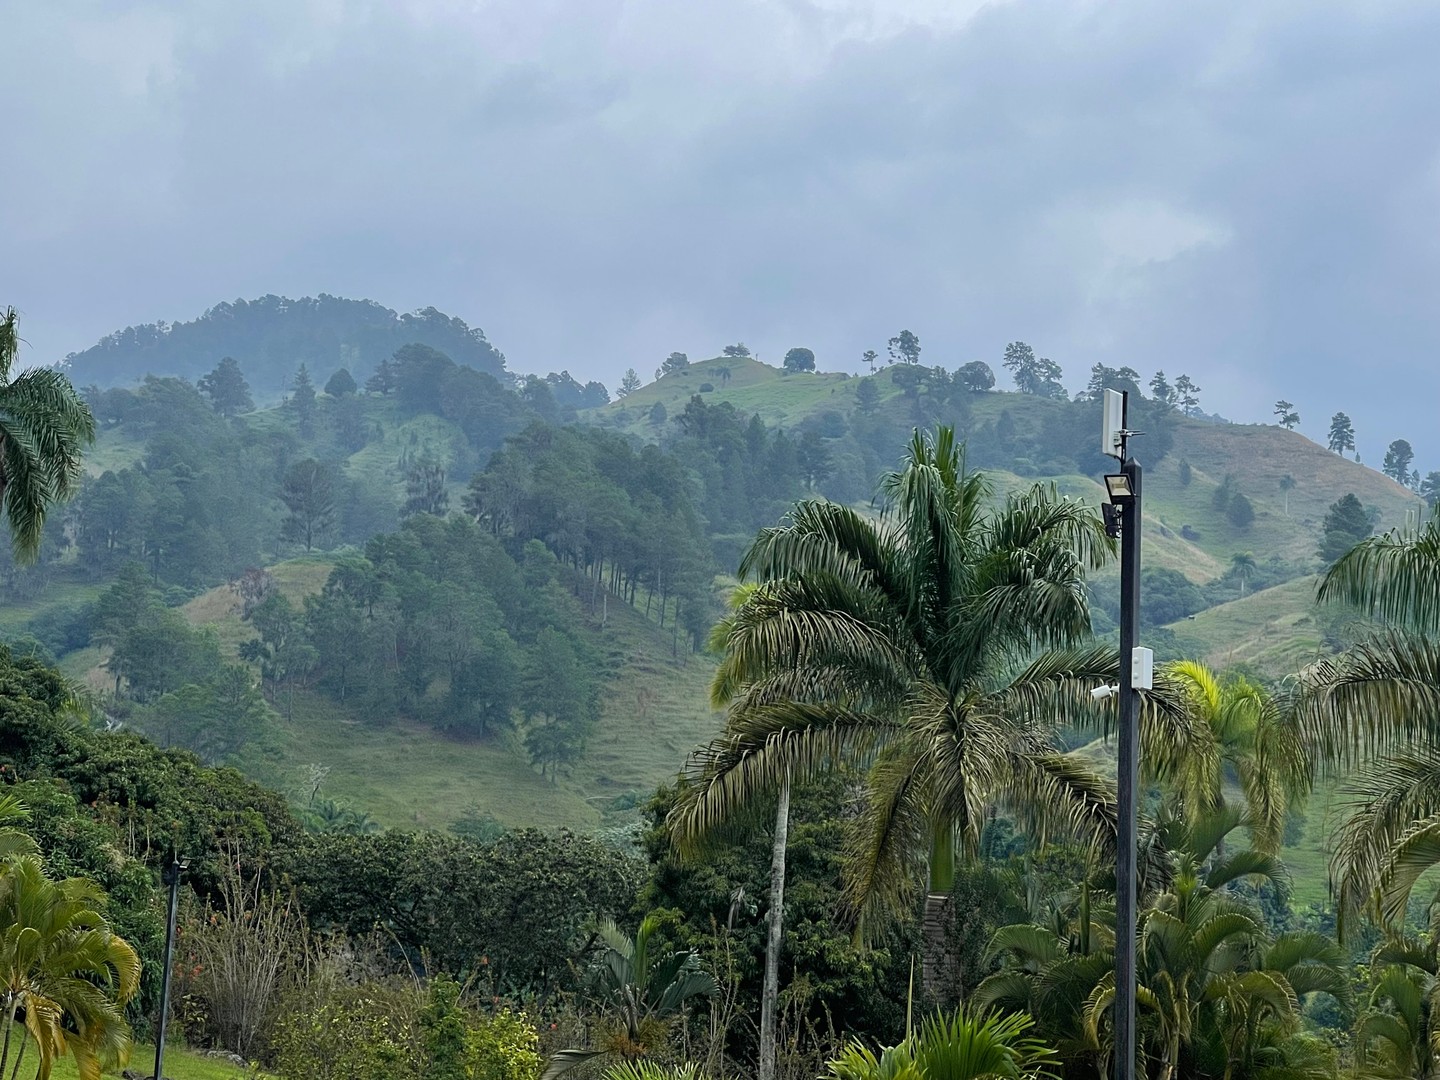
(383,379)
(1287,485)
(1242,565)
(44,428)
(869,356)
(1032,375)
(676,361)
(425,491)
(226,388)
(799,359)
(1430,489)
(1346,523)
(1187,395)
(737,350)
(1342,433)
(1398,456)
(1285,415)
(910,642)
(302,400)
(976,376)
(629,384)
(867,398)
(308,492)
(904,348)
(1161,391)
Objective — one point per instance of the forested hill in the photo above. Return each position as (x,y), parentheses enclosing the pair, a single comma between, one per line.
(443,594)
(271,336)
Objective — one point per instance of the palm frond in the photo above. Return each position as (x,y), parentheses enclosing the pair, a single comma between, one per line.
(1394,577)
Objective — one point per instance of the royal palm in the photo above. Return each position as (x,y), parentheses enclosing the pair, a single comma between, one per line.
(940,644)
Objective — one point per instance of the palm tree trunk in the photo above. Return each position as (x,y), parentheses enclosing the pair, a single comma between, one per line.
(937,909)
(771,990)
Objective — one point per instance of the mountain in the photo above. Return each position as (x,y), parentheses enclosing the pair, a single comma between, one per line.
(273,335)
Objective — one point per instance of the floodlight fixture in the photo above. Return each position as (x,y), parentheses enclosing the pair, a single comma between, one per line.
(1117,486)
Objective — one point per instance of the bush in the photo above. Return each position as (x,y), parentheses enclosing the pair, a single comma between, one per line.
(707,388)
(365,1032)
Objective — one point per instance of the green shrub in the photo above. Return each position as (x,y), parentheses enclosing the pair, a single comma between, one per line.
(365,1032)
(502,1047)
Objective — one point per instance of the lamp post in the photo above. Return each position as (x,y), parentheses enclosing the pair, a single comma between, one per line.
(170,877)
(1122,518)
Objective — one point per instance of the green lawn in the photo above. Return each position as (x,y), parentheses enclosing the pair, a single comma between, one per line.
(180,1064)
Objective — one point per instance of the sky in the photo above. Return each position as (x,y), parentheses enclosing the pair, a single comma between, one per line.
(1245,192)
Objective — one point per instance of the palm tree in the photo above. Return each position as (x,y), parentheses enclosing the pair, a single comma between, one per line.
(941,646)
(1396,1033)
(1374,706)
(964,1046)
(1258,745)
(1287,484)
(1218,997)
(44,426)
(1242,564)
(64,975)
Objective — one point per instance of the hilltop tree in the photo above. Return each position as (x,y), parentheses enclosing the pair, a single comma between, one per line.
(629,384)
(1429,489)
(1285,415)
(799,359)
(1104,378)
(1346,523)
(226,388)
(1187,395)
(904,348)
(869,356)
(676,361)
(44,426)
(976,376)
(737,350)
(302,401)
(1342,433)
(1161,392)
(1032,375)
(308,492)
(1398,457)
(341,384)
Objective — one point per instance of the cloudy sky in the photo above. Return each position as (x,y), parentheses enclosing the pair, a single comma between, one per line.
(1247,192)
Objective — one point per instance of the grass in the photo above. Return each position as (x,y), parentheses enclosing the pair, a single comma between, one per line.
(180,1064)
(1274,630)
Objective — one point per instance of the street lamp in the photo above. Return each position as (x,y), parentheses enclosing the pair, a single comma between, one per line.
(170,877)
(1122,519)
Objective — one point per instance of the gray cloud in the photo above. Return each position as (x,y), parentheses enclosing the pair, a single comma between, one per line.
(1245,192)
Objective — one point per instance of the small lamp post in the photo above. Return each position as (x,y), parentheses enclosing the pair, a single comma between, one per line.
(170,877)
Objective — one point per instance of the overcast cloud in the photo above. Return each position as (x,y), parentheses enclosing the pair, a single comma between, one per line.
(1246,192)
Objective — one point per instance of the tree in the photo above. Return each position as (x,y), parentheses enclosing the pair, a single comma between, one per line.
(676,361)
(882,641)
(737,350)
(383,380)
(65,974)
(723,373)
(44,427)
(226,388)
(1032,375)
(302,401)
(1287,485)
(657,414)
(869,356)
(1242,565)
(1239,511)
(1398,457)
(1285,415)
(1161,392)
(799,359)
(629,384)
(867,398)
(976,376)
(341,384)
(1102,378)
(1187,396)
(425,491)
(1342,433)
(1346,523)
(1429,489)
(904,348)
(308,492)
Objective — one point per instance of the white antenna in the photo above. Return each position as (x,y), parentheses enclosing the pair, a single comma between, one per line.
(1112,432)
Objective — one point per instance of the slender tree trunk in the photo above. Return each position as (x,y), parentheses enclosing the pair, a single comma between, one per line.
(771,990)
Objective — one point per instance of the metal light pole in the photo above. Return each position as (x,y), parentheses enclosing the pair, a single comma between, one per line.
(1136,664)
(170,876)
